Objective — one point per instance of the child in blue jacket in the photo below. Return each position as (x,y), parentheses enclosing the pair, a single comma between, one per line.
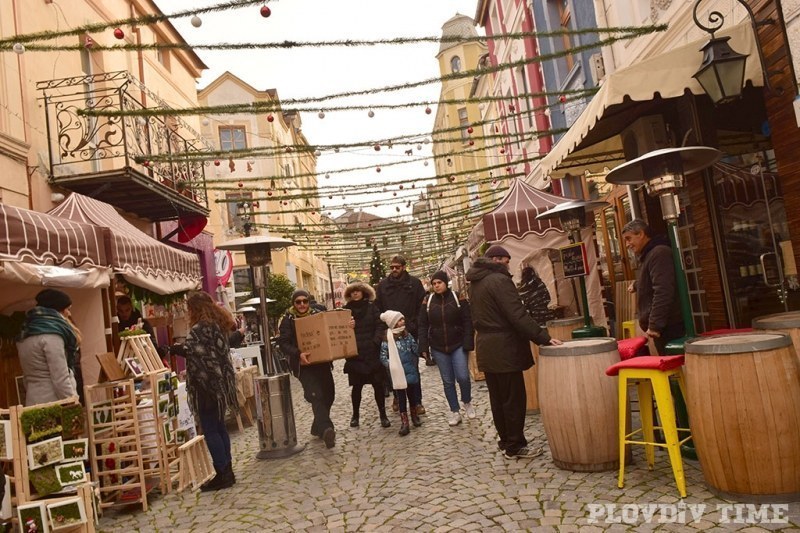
(401,345)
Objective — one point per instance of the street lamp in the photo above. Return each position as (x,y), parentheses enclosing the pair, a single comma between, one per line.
(244,212)
(572,215)
(663,173)
(276,429)
(721,73)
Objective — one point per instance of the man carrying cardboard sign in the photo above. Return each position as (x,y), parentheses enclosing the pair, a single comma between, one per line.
(317,379)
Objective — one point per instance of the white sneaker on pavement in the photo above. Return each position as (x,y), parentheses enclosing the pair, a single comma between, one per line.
(525,453)
(469,410)
(454,419)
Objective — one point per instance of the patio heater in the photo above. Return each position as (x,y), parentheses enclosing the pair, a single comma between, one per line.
(663,173)
(277,434)
(572,215)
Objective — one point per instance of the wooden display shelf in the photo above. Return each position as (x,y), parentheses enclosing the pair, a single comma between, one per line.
(140,347)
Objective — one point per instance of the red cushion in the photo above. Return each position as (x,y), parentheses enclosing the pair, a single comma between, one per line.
(726,331)
(651,362)
(632,347)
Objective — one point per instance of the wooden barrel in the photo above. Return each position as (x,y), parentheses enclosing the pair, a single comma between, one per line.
(743,395)
(562,328)
(788,323)
(579,404)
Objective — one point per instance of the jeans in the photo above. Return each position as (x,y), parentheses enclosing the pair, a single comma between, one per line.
(319,391)
(454,367)
(414,395)
(507,398)
(216,434)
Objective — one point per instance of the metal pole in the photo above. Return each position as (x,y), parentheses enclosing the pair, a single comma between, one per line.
(330,280)
(680,279)
(261,282)
(588,330)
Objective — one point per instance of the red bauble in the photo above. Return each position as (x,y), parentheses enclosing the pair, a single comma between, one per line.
(562,98)
(265,11)
(511,107)
(377,147)
(270,118)
(428,111)
(216,162)
(401,187)
(394,194)
(470,130)
(377,169)
(240,184)
(508,169)
(471,143)
(313,212)
(269,193)
(452,178)
(118,33)
(502,150)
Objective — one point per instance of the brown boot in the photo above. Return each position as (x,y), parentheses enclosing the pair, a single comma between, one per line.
(404,429)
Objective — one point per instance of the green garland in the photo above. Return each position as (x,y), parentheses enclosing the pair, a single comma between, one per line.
(329,43)
(147,296)
(131,21)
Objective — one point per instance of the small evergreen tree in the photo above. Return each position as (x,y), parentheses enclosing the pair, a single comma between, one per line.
(280,289)
(376,269)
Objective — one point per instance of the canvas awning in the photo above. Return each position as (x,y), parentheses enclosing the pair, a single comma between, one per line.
(141,259)
(42,239)
(516,215)
(39,249)
(666,75)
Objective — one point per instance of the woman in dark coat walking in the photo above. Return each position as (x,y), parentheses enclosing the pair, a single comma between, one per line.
(366,368)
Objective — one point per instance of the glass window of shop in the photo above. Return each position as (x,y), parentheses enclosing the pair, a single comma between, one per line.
(757,260)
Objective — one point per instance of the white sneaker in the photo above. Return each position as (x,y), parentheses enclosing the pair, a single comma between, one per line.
(454,419)
(469,410)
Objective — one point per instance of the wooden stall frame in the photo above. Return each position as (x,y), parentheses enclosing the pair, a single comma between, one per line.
(196,467)
(141,347)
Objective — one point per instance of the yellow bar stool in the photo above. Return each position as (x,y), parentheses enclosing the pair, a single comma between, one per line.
(651,374)
(628,329)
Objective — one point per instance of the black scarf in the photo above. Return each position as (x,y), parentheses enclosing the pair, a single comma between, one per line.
(358,308)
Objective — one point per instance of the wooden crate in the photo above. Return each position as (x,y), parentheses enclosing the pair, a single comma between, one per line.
(141,348)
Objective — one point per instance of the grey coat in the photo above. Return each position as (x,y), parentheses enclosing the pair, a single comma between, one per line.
(44,366)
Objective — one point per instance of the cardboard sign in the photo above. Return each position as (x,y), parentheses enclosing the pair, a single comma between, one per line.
(573,257)
(326,336)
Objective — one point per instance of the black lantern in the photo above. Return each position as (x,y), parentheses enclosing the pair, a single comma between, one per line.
(722,71)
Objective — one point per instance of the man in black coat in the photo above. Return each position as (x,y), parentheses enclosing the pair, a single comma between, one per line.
(658,303)
(503,351)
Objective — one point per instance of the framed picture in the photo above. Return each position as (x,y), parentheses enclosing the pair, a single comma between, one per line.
(6,450)
(32,518)
(163,405)
(169,435)
(70,473)
(163,384)
(76,450)
(45,453)
(66,513)
(134,366)
(181,437)
(101,413)
(172,412)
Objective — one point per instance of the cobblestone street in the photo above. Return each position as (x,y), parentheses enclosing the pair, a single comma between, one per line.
(436,479)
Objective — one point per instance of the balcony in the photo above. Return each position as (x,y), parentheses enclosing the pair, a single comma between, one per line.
(135,163)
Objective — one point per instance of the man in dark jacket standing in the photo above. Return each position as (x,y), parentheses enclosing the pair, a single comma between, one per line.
(658,303)
(503,351)
(400,291)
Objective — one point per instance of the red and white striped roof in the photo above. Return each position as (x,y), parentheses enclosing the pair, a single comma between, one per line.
(141,259)
(43,239)
(516,214)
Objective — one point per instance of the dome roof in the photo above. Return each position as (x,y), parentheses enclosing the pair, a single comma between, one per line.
(458,26)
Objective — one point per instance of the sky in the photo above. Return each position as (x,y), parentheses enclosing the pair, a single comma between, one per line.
(309,72)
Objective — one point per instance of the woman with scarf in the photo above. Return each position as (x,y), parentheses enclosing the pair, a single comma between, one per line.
(366,368)
(48,349)
(210,381)
(317,380)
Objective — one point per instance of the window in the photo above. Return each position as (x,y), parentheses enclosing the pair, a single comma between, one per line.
(463,121)
(232,138)
(162,54)
(455,64)
(524,102)
(565,17)
(234,199)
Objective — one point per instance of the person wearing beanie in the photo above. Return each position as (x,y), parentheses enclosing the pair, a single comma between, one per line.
(48,349)
(504,329)
(399,354)
(317,379)
(445,331)
(366,367)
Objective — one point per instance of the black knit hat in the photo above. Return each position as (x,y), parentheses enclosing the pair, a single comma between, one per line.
(442,276)
(497,251)
(54,299)
(300,292)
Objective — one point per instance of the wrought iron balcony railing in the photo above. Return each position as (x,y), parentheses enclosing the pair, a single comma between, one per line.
(146,149)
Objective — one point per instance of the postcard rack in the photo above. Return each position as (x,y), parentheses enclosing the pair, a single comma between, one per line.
(157,412)
(136,352)
(115,443)
(57,510)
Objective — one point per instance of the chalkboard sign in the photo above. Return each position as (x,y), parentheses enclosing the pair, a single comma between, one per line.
(573,257)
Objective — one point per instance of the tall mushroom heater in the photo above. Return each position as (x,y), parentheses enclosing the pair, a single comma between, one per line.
(663,173)
(572,216)
(277,434)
